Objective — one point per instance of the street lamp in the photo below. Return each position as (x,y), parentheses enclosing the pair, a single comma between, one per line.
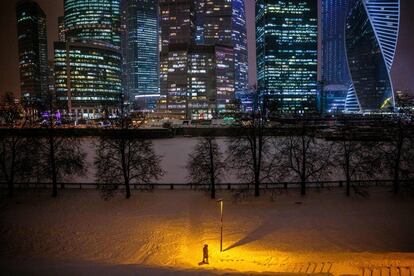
(221,224)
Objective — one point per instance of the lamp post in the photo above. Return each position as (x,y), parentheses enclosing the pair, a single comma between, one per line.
(221,224)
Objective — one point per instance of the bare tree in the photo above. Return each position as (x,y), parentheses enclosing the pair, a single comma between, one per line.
(247,148)
(356,159)
(123,158)
(398,153)
(301,156)
(15,150)
(58,156)
(205,164)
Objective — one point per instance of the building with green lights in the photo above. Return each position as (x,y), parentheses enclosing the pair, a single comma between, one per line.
(287,53)
(88,63)
(33,61)
(97,20)
(87,78)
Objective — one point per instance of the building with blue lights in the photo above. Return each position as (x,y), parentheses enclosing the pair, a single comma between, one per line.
(93,20)
(33,60)
(335,74)
(371,37)
(223,22)
(287,54)
(141,51)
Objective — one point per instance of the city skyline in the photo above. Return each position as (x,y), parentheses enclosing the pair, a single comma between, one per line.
(9,79)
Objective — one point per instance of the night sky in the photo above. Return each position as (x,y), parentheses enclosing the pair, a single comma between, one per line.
(403,70)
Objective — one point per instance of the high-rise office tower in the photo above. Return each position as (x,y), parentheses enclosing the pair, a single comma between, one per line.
(61,29)
(97,20)
(87,78)
(197,81)
(177,27)
(124,47)
(371,38)
(33,61)
(200,80)
(287,52)
(88,66)
(335,75)
(177,22)
(223,22)
(141,52)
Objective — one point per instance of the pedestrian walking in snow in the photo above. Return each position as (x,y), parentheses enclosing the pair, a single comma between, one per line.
(205,254)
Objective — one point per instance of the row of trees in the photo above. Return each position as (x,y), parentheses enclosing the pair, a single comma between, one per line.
(302,157)
(253,154)
(120,157)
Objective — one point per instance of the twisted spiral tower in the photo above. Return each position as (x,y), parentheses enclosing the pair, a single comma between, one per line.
(371,38)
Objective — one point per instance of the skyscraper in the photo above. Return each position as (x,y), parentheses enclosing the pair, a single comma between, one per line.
(93,20)
(371,38)
(223,22)
(61,29)
(287,52)
(335,75)
(177,30)
(33,61)
(87,78)
(200,81)
(141,51)
(177,22)
(197,81)
(88,65)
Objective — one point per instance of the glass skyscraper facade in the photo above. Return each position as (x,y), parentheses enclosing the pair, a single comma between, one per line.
(33,60)
(200,81)
(87,78)
(88,65)
(223,22)
(197,80)
(97,20)
(141,51)
(177,30)
(287,53)
(61,29)
(335,75)
(371,38)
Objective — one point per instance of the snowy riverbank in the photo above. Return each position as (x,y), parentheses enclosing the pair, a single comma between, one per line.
(163,232)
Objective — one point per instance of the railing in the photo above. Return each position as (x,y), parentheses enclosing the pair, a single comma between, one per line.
(220,186)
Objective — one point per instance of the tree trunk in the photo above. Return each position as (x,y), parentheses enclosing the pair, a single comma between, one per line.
(53,163)
(128,189)
(397,161)
(10,186)
(13,164)
(303,174)
(212,170)
(256,186)
(303,186)
(125,170)
(348,177)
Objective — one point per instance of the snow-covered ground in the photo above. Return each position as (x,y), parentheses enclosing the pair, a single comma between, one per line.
(163,232)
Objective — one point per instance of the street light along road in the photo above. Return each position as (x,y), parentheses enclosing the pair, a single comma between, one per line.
(221,224)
